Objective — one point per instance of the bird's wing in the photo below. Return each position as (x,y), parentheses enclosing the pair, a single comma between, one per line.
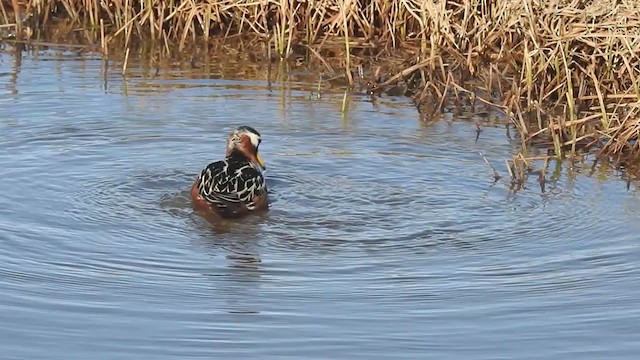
(224,182)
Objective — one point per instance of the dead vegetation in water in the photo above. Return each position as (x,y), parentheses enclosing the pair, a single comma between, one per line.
(565,72)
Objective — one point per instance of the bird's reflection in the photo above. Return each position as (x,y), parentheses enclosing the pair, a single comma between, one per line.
(240,281)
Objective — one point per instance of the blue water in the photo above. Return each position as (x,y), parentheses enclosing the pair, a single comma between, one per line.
(386,239)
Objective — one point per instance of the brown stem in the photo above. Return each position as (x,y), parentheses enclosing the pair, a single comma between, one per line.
(16,13)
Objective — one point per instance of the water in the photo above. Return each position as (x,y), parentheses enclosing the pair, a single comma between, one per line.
(386,238)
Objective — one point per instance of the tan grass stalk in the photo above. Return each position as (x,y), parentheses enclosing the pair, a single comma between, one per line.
(5,17)
(344,5)
(125,63)
(16,12)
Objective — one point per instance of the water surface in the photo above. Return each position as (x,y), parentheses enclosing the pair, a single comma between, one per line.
(387,237)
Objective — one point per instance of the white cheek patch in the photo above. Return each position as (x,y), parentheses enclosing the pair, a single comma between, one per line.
(255,139)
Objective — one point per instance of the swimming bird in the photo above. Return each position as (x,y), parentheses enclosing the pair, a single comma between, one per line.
(235,186)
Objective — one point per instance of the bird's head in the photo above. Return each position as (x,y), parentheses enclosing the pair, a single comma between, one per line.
(245,140)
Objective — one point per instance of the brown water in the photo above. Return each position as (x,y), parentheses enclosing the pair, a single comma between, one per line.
(386,238)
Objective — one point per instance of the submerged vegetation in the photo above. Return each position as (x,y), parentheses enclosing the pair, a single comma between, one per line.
(564,72)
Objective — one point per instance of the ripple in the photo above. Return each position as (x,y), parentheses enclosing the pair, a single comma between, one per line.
(108,199)
(377,221)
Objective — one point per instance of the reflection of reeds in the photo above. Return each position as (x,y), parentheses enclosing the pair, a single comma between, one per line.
(563,71)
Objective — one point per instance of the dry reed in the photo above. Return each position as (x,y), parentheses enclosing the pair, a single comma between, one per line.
(565,72)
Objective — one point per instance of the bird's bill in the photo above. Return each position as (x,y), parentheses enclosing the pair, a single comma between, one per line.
(260,161)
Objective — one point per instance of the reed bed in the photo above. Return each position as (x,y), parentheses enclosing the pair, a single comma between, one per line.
(565,72)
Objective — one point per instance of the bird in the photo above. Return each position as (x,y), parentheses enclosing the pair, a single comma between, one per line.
(236,186)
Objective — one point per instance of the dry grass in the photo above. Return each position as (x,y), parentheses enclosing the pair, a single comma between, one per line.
(565,72)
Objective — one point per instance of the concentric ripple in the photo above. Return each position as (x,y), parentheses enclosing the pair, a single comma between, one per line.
(386,238)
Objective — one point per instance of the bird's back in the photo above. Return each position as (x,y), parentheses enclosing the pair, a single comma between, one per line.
(232,187)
